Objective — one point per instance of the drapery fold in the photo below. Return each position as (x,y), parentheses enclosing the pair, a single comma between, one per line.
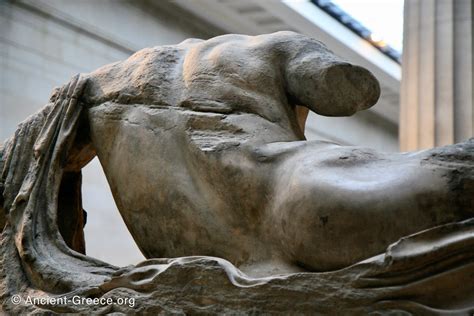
(33,166)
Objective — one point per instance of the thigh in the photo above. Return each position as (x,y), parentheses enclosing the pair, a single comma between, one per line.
(335,206)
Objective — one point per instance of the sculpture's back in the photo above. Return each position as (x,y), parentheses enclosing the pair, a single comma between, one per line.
(205,155)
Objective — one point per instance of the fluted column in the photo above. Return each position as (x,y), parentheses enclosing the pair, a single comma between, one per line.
(437,81)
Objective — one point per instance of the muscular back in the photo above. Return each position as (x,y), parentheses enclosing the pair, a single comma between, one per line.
(178,130)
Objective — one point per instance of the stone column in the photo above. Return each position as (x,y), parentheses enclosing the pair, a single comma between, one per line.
(437,82)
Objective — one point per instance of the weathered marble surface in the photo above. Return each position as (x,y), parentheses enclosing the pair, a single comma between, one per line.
(203,146)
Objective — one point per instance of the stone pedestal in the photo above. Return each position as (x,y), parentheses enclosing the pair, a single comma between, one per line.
(437,82)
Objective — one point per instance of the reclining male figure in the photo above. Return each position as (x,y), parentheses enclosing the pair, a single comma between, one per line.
(203,146)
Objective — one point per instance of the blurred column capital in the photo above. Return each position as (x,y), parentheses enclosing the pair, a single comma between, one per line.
(437,81)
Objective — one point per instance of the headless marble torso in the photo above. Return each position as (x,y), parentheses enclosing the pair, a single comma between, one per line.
(216,163)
